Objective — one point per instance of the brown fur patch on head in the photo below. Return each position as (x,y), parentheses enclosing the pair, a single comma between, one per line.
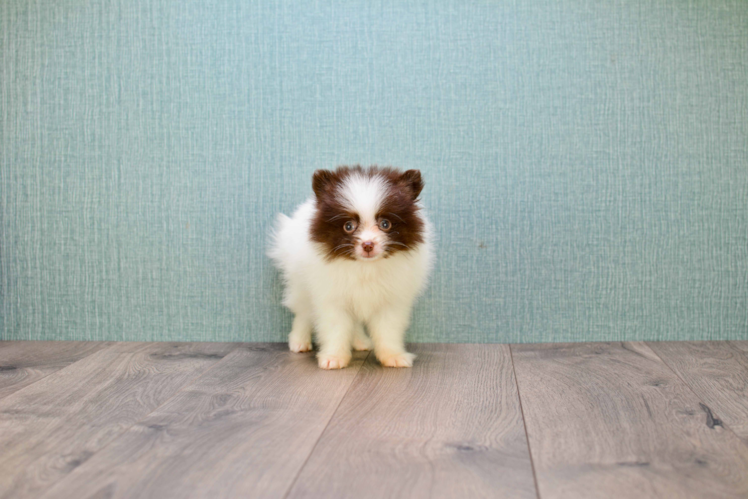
(399,206)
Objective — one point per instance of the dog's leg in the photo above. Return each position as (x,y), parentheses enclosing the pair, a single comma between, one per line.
(361,341)
(334,334)
(387,330)
(300,338)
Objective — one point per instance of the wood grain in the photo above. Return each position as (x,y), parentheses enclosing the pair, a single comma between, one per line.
(449,427)
(741,345)
(23,363)
(718,374)
(611,420)
(244,429)
(51,427)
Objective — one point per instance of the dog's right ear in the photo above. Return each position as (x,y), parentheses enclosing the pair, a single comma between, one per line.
(412,179)
(322,181)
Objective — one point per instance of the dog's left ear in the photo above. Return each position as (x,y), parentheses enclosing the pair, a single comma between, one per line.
(322,180)
(412,180)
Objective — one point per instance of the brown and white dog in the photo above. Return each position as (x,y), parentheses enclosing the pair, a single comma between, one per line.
(358,253)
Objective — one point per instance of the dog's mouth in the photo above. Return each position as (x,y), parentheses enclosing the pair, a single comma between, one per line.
(369,256)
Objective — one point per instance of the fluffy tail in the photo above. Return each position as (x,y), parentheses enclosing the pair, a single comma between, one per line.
(275,249)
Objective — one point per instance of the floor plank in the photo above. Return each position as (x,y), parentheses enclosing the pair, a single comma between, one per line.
(49,428)
(741,345)
(449,427)
(718,374)
(22,363)
(611,420)
(242,430)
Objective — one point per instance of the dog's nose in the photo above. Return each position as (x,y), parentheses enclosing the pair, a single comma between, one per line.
(368,246)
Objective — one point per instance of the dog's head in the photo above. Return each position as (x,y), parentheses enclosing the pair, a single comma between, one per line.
(367,214)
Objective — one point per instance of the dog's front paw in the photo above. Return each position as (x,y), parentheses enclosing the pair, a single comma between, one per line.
(333,361)
(300,345)
(397,360)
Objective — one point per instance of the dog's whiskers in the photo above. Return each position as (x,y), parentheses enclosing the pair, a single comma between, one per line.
(343,245)
(339,216)
(398,243)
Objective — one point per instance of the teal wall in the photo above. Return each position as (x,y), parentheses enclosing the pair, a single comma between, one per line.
(586,162)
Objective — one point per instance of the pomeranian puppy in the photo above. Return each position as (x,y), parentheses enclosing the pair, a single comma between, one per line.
(357,253)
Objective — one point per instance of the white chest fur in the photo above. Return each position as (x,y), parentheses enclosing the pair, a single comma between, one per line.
(363,288)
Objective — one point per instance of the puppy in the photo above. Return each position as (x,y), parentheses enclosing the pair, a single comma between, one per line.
(358,253)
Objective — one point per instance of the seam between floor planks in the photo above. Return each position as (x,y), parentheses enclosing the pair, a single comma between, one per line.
(710,408)
(228,415)
(73,439)
(316,441)
(95,347)
(113,439)
(449,427)
(565,472)
(698,396)
(341,401)
(524,424)
(217,365)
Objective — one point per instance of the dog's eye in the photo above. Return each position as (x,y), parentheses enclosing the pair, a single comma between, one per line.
(349,227)
(385,225)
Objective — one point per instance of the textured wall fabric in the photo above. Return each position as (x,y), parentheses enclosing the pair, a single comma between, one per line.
(586,162)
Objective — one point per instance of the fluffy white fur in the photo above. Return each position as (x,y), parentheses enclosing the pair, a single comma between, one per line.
(337,297)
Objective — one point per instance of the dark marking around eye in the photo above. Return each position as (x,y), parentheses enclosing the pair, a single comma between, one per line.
(399,207)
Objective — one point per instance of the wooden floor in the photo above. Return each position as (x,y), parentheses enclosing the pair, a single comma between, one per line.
(86,419)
